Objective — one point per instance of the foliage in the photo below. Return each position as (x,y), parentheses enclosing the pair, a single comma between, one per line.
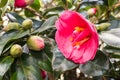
(50,59)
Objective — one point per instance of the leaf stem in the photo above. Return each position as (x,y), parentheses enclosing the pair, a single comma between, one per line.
(51,76)
(33,11)
(78,7)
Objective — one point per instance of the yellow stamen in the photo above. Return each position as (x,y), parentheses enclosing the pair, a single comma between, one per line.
(84,40)
(71,39)
(77,44)
(79,29)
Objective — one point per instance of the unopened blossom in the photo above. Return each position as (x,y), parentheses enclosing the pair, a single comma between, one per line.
(92,11)
(22,3)
(35,43)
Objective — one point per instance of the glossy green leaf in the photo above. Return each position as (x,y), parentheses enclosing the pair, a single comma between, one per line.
(43,60)
(3,3)
(14,17)
(28,13)
(9,36)
(47,63)
(36,23)
(110,49)
(44,57)
(36,5)
(5,64)
(60,63)
(96,67)
(7,47)
(26,68)
(49,23)
(111,37)
(49,47)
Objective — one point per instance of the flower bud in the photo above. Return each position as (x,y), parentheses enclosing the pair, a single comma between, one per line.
(91,11)
(46,2)
(102,26)
(23,3)
(35,43)
(16,50)
(12,25)
(43,74)
(27,24)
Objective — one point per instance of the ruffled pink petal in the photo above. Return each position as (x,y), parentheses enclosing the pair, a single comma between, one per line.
(68,20)
(63,44)
(91,51)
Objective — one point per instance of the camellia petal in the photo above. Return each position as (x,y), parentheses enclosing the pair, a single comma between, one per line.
(76,37)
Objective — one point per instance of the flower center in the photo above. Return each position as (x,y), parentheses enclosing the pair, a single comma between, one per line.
(77,44)
(78,29)
(76,32)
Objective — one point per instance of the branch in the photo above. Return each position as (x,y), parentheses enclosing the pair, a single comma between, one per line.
(33,11)
(78,7)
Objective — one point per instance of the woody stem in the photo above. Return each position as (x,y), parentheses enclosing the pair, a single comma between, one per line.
(33,11)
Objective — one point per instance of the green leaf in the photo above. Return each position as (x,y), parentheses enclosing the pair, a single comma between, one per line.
(49,47)
(43,60)
(36,23)
(44,57)
(54,9)
(3,3)
(9,36)
(14,17)
(64,2)
(26,68)
(0,14)
(110,49)
(96,67)
(36,5)
(60,63)
(47,63)
(111,37)
(5,63)
(49,23)
(28,13)
(114,24)
(111,2)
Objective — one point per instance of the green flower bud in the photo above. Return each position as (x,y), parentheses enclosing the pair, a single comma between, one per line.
(27,24)
(35,43)
(11,26)
(103,26)
(16,50)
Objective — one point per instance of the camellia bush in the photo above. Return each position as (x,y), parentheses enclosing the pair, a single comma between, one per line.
(59,40)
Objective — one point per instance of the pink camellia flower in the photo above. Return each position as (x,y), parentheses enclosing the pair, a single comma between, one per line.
(76,37)
(92,11)
(22,3)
